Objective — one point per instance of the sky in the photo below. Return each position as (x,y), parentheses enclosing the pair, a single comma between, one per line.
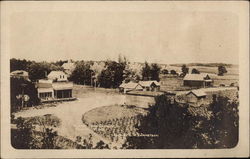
(162,37)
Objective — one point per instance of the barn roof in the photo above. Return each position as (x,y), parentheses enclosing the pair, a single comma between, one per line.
(148,83)
(195,77)
(198,93)
(129,85)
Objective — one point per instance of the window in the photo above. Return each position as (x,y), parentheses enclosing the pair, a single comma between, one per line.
(45,95)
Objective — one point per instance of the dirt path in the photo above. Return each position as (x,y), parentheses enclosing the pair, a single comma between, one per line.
(71,113)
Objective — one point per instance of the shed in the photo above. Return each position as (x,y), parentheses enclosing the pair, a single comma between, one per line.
(195,96)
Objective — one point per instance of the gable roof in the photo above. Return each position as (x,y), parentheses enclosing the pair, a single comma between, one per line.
(56,73)
(129,85)
(198,93)
(195,77)
(149,83)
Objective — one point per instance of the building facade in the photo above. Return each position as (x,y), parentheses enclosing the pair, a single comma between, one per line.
(150,85)
(197,80)
(56,87)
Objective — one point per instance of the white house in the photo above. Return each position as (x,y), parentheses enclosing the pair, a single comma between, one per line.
(45,89)
(56,87)
(57,76)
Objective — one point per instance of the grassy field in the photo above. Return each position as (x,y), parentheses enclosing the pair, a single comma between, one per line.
(169,83)
(81,91)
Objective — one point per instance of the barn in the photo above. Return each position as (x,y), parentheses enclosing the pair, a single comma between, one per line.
(197,80)
(126,87)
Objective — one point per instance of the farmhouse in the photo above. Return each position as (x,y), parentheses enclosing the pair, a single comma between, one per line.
(20,74)
(150,85)
(126,87)
(57,76)
(197,80)
(56,87)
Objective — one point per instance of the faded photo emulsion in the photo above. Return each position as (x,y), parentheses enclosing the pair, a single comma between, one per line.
(132,78)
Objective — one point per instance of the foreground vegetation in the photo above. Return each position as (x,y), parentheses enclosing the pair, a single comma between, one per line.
(178,128)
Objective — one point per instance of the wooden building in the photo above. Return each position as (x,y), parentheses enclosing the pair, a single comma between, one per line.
(58,76)
(197,80)
(54,88)
(195,96)
(130,86)
(150,85)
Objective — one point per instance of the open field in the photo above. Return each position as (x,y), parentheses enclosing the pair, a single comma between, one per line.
(115,122)
(169,82)
(111,112)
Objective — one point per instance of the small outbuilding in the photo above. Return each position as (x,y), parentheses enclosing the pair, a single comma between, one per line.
(195,96)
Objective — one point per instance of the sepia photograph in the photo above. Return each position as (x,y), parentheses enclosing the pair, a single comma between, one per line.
(119,76)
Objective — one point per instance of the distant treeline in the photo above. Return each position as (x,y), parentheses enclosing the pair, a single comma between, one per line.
(205,64)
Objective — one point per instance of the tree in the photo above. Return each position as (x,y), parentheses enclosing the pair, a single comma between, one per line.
(224,122)
(16,64)
(16,90)
(176,127)
(221,70)
(164,71)
(184,69)
(101,145)
(166,120)
(97,69)
(146,72)
(155,72)
(82,73)
(49,139)
(112,76)
(195,71)
(173,72)
(22,137)
(41,70)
